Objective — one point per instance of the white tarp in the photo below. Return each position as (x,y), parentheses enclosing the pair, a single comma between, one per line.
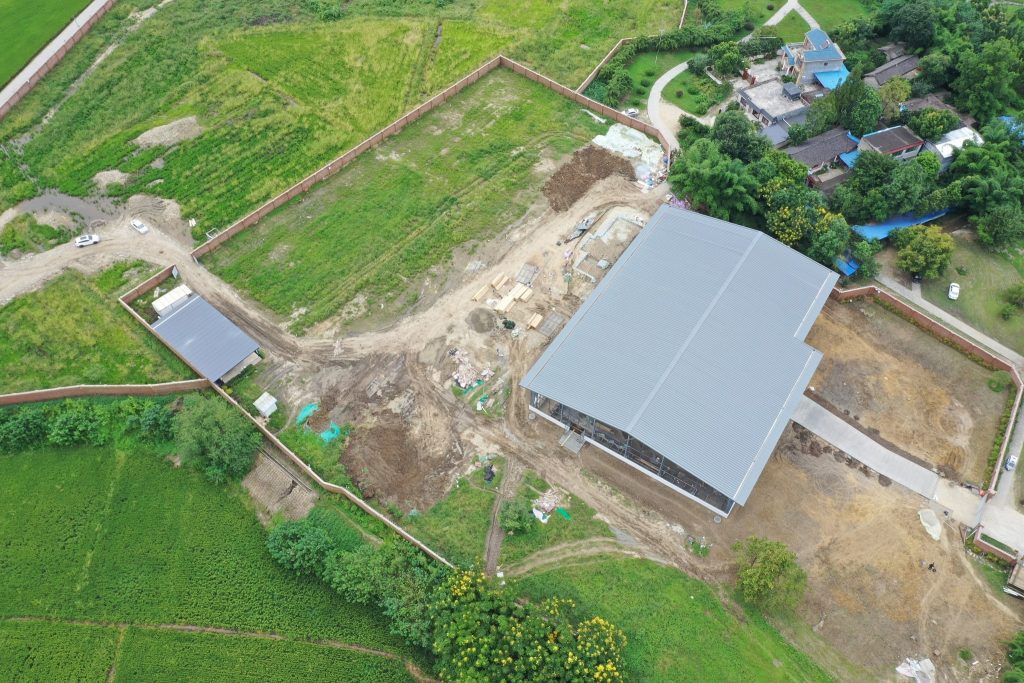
(921,670)
(644,153)
(931,523)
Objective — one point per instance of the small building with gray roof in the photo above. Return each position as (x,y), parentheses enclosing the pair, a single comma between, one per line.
(822,150)
(216,347)
(688,358)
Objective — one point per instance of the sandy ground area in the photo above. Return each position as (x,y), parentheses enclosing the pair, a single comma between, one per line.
(899,383)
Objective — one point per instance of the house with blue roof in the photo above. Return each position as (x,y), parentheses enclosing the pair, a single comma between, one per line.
(817,59)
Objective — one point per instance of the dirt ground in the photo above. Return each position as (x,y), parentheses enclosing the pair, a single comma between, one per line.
(896,381)
(275,487)
(588,165)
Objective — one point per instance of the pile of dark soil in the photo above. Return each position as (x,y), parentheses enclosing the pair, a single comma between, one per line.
(576,176)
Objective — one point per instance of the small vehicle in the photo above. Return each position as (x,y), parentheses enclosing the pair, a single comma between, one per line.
(632,113)
(916,277)
(86,240)
(954,291)
(139,226)
(1011,463)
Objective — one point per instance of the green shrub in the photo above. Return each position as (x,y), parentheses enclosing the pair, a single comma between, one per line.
(999,381)
(1015,295)
(516,516)
(300,546)
(769,575)
(216,438)
(1007,311)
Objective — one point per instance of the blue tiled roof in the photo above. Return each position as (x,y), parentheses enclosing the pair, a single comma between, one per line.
(789,54)
(832,79)
(817,38)
(824,54)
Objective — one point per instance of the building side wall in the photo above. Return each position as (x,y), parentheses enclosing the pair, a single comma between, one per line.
(632,451)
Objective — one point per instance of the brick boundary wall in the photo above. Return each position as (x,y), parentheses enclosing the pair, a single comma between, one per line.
(600,65)
(48,65)
(79,390)
(396,126)
(267,434)
(988,548)
(962,343)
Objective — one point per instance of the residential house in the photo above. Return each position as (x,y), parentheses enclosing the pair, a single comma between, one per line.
(949,144)
(937,101)
(817,58)
(770,101)
(902,67)
(822,150)
(893,50)
(899,142)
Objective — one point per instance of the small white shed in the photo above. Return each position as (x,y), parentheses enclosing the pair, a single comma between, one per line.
(171,300)
(266,404)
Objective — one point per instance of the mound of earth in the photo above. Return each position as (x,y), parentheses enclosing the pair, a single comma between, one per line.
(576,176)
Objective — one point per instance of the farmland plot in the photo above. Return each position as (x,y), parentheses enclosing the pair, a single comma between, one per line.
(462,172)
(73,332)
(119,536)
(26,27)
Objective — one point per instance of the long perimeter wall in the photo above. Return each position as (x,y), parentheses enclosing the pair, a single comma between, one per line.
(417,113)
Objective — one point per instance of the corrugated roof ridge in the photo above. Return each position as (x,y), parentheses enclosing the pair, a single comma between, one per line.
(693,332)
(192,298)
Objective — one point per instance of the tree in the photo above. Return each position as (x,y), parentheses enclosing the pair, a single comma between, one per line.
(799,133)
(985,178)
(822,115)
(691,130)
(828,238)
(726,58)
(620,86)
(923,249)
(737,137)
(936,69)
(911,21)
(864,197)
(864,252)
(715,183)
(213,435)
(931,123)
(777,167)
(516,516)
(300,546)
(792,212)
(1001,226)
(894,93)
(769,575)
(988,79)
(857,107)
(22,428)
(863,117)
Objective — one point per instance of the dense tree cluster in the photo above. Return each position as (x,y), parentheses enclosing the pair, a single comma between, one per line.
(216,438)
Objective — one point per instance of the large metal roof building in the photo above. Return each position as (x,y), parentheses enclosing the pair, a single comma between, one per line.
(214,345)
(688,358)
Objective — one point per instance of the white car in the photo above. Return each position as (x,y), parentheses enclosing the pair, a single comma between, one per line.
(139,226)
(954,291)
(86,240)
(632,113)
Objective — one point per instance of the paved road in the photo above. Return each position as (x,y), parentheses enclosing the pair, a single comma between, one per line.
(52,48)
(865,449)
(654,103)
(791,6)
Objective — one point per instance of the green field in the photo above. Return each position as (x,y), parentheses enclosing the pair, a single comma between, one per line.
(755,11)
(26,234)
(397,211)
(695,93)
(73,331)
(792,28)
(678,629)
(120,536)
(580,525)
(986,277)
(277,92)
(25,28)
(831,13)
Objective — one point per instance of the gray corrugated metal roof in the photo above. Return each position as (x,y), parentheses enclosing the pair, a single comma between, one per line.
(693,343)
(201,333)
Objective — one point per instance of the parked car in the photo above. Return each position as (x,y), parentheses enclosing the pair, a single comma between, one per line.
(632,113)
(86,240)
(139,226)
(1011,462)
(916,277)
(954,291)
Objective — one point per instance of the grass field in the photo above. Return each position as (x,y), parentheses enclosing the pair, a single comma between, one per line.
(268,122)
(120,536)
(397,211)
(457,525)
(73,332)
(986,276)
(580,526)
(25,28)
(753,10)
(831,13)
(678,629)
(26,234)
(792,28)
(647,67)
(695,93)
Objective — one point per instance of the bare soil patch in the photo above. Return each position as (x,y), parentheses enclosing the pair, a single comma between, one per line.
(104,178)
(587,166)
(171,133)
(898,382)
(275,488)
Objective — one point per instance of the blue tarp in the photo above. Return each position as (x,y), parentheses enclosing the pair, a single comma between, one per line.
(306,411)
(1016,127)
(879,231)
(833,79)
(846,265)
(850,158)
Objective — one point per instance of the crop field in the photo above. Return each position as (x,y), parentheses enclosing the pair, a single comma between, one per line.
(395,212)
(277,92)
(673,622)
(26,27)
(73,332)
(120,536)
